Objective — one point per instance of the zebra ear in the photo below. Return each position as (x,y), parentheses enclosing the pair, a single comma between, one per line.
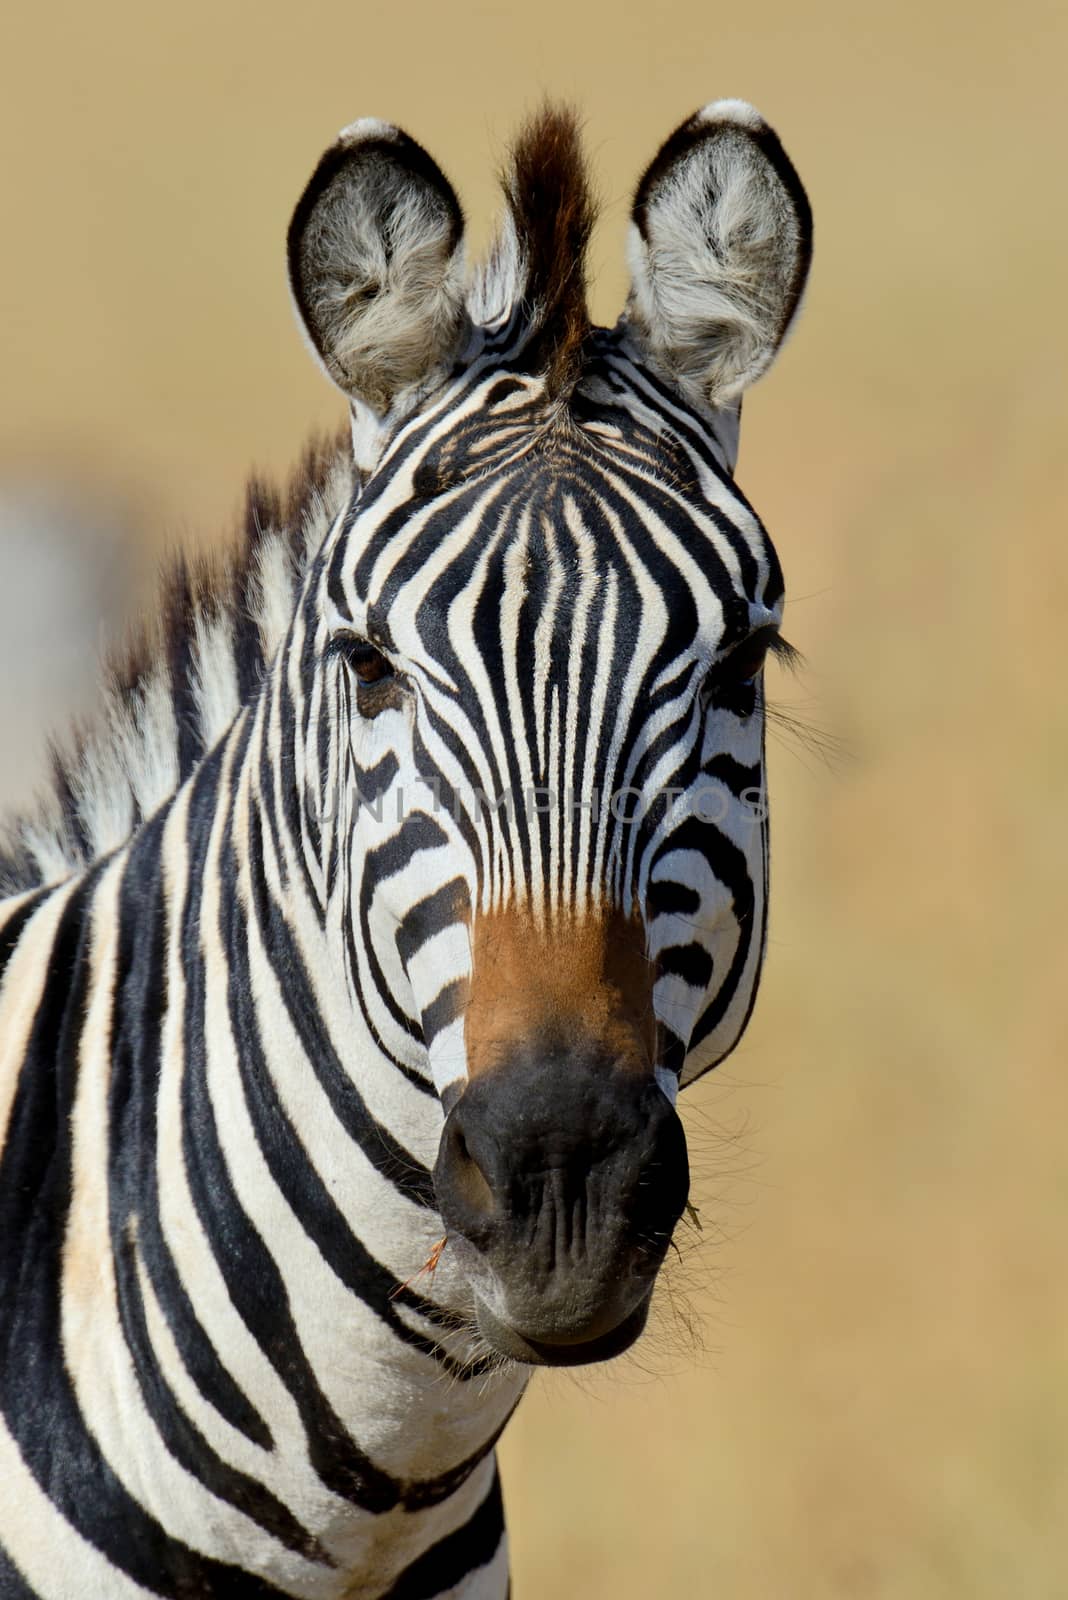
(719,247)
(376,267)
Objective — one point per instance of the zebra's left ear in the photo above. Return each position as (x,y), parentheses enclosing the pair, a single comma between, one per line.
(375,253)
(719,247)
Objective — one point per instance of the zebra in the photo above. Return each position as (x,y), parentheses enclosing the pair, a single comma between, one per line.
(350,969)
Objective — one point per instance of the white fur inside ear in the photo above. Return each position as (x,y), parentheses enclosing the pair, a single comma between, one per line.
(718,248)
(497,282)
(376,265)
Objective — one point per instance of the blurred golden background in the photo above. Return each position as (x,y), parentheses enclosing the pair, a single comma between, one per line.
(875,1399)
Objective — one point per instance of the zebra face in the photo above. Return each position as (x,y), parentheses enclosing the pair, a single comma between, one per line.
(540,637)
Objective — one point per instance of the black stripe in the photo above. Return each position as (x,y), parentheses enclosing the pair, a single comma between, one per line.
(712,1016)
(194,1346)
(290,1165)
(35,1193)
(373,782)
(196,1350)
(448,905)
(184,1440)
(13,1585)
(446,1006)
(418,832)
(179,609)
(255,1286)
(690,962)
(729,864)
(12,930)
(456,1556)
(279,766)
(672,1049)
(456,742)
(488,636)
(665,898)
(432,1491)
(385,1153)
(140,1007)
(310,671)
(417,1079)
(734,775)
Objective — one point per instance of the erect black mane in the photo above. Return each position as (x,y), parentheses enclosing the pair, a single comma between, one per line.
(210,583)
(553,213)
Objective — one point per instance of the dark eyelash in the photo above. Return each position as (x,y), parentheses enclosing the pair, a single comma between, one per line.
(786,653)
(731,683)
(746,661)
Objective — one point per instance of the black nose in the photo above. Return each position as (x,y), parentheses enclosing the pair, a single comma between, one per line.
(564,1177)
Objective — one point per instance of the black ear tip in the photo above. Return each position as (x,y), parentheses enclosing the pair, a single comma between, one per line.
(712,121)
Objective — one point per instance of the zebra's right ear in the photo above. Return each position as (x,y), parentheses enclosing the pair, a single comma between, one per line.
(720,246)
(375,253)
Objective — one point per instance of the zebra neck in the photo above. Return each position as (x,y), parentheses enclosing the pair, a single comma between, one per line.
(320,1149)
(214,1231)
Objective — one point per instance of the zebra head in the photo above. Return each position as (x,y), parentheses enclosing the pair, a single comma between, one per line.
(535,643)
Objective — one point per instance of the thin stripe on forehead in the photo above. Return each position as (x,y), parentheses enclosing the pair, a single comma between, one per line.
(676,554)
(439,482)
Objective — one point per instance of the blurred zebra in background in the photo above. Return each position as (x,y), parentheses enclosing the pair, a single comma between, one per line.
(348,979)
(65,555)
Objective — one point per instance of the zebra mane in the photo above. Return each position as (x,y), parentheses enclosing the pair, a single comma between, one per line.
(178,685)
(536,269)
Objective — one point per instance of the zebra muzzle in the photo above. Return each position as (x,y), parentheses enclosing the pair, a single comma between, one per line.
(560,1179)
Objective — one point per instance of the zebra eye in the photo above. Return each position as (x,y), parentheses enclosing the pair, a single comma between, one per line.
(747,659)
(366,663)
(737,672)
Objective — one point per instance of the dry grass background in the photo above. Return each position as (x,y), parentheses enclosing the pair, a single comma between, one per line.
(881,1406)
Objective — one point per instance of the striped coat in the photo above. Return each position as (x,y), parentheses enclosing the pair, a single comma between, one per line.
(349,977)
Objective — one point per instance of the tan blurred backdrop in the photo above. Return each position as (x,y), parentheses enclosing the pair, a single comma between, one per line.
(875,1400)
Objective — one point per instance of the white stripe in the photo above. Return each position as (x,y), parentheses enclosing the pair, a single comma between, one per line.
(290,1475)
(95,1351)
(23,983)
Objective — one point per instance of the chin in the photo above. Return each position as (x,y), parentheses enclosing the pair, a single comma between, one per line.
(560,1348)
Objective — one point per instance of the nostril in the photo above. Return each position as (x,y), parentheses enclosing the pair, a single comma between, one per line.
(662,1185)
(464,1191)
(479,1192)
